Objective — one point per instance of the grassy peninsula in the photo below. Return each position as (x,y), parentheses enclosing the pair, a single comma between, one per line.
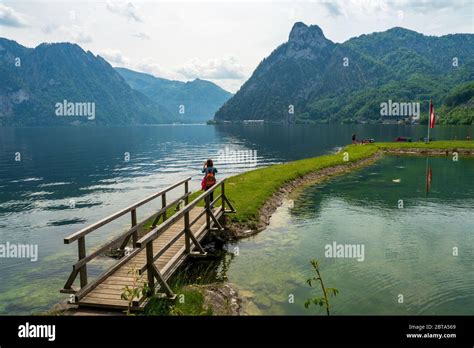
(249,191)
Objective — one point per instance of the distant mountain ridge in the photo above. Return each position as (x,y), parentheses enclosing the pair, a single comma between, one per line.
(193,101)
(324,81)
(34,81)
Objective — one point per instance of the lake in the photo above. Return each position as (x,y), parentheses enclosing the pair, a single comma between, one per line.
(55,181)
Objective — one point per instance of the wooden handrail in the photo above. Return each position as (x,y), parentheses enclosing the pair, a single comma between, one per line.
(80,267)
(104,247)
(71,238)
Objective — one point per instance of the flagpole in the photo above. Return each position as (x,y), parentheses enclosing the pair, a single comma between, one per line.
(429,119)
(426,178)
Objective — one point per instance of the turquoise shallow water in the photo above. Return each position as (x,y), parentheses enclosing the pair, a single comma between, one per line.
(408,251)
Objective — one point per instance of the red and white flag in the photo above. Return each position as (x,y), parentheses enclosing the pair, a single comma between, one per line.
(432,115)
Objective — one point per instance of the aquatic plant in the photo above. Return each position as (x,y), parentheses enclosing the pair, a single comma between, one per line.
(138,289)
(318,300)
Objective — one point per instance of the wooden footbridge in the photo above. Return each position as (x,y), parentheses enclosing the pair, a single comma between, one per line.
(154,256)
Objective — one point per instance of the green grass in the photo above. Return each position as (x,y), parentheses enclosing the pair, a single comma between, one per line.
(188,302)
(445,144)
(189,297)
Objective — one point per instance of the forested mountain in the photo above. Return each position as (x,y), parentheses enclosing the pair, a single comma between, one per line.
(459,106)
(325,81)
(33,82)
(194,101)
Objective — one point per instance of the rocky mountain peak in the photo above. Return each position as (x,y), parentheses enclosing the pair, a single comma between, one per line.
(304,35)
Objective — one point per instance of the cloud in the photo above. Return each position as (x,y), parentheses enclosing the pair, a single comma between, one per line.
(10,18)
(141,36)
(333,8)
(127,10)
(75,32)
(146,65)
(218,68)
(79,34)
(150,66)
(226,70)
(347,8)
(115,57)
(428,5)
(49,28)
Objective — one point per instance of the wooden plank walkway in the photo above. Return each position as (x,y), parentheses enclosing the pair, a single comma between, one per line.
(109,291)
(157,255)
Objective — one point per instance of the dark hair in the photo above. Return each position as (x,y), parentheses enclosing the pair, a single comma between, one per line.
(210,163)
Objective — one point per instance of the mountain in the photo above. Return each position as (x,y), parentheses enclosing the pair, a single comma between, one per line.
(459,106)
(325,81)
(61,84)
(200,98)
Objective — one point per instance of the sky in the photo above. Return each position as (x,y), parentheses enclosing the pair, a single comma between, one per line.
(221,41)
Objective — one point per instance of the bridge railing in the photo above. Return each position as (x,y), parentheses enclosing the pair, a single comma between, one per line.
(212,219)
(80,267)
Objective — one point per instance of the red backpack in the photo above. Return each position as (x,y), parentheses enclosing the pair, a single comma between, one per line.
(210,179)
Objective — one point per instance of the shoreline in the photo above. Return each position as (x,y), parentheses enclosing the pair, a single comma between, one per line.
(241,230)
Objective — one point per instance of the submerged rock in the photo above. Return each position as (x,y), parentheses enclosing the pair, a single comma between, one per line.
(223,299)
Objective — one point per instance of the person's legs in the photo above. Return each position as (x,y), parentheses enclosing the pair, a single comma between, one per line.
(211,195)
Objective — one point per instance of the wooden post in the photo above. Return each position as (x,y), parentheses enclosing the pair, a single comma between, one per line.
(149,262)
(186,190)
(187,231)
(223,197)
(208,211)
(163,204)
(81,243)
(134,223)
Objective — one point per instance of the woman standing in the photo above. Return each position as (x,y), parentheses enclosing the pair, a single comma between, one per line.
(209,176)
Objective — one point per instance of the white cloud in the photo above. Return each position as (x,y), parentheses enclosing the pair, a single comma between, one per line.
(150,66)
(333,8)
(74,32)
(10,18)
(125,9)
(79,34)
(115,57)
(141,36)
(429,5)
(348,8)
(146,65)
(49,28)
(218,68)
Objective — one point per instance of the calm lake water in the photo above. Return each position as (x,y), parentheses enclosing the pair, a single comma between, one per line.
(44,170)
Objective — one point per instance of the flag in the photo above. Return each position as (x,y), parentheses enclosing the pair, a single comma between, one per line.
(432,115)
